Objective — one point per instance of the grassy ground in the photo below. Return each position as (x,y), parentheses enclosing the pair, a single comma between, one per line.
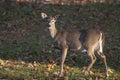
(25,44)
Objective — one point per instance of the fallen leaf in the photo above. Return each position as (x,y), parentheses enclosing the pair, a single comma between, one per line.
(1,62)
(56,74)
(110,70)
(91,73)
(112,52)
(73,57)
(46,73)
(30,65)
(51,61)
(35,66)
(66,67)
(44,50)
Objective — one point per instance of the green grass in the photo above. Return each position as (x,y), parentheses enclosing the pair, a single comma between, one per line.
(24,39)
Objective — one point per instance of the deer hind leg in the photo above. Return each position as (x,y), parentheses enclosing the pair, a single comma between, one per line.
(64,53)
(92,60)
(103,57)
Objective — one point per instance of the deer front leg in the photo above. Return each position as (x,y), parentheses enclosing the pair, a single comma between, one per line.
(64,53)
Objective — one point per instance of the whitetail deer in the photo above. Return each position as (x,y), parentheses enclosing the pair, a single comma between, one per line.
(91,40)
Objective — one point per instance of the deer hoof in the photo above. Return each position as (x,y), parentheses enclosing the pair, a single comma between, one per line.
(107,75)
(61,75)
(86,73)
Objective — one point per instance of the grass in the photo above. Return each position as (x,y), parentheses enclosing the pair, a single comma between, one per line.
(25,44)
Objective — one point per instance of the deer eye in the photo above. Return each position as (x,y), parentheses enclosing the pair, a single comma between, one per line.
(53,21)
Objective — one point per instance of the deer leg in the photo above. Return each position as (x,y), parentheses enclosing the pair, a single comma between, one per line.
(64,53)
(92,58)
(103,57)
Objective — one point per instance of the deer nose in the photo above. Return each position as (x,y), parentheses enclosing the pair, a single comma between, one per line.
(48,25)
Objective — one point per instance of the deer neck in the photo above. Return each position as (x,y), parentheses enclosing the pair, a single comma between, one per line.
(53,31)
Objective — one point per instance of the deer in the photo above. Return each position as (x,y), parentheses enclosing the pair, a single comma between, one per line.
(88,40)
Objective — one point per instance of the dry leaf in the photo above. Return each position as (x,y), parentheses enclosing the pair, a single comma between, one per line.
(112,52)
(46,74)
(66,67)
(1,62)
(56,74)
(73,57)
(30,65)
(91,73)
(35,64)
(44,50)
(110,70)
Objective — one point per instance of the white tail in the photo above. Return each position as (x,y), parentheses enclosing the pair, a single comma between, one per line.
(91,40)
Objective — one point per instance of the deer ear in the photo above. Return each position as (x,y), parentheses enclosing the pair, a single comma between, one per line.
(57,16)
(44,15)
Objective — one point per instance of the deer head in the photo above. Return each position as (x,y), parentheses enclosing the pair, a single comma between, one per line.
(50,22)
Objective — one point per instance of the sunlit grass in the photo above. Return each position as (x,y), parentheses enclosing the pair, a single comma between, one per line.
(21,70)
